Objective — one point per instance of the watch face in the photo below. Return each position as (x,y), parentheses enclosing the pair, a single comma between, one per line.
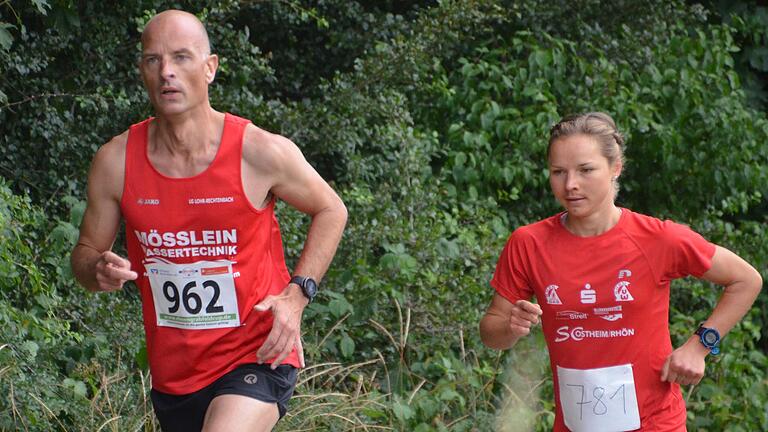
(310,286)
(710,337)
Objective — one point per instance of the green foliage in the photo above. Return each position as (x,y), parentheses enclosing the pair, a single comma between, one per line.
(675,109)
(29,262)
(750,23)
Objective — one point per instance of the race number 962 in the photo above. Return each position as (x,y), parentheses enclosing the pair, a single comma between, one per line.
(195,296)
(190,299)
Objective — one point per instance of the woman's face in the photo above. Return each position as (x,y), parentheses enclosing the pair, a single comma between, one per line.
(580,176)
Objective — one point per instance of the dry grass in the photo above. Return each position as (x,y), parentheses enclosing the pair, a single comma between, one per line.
(329,395)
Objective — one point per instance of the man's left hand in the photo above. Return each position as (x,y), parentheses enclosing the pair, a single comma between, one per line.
(286,328)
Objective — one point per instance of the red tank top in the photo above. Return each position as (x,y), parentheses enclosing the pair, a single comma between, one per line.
(205,256)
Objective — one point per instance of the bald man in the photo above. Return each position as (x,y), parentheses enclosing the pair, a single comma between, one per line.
(197,188)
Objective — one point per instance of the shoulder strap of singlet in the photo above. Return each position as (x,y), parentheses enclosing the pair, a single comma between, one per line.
(230,151)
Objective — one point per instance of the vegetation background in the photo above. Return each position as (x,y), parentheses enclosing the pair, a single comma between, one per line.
(430,118)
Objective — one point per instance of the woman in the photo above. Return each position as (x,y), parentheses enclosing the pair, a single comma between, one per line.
(601,276)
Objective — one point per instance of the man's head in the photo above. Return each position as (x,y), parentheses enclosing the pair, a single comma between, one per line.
(176,62)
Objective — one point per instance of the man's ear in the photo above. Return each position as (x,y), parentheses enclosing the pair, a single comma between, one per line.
(211,66)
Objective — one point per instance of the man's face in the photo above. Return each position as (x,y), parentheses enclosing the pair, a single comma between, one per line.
(175,65)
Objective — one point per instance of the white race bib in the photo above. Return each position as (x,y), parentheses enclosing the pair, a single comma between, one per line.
(601,399)
(199,295)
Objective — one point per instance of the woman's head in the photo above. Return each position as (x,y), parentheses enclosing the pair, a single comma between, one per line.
(598,125)
(585,155)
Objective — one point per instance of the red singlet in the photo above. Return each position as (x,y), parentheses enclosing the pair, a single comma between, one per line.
(205,256)
(605,304)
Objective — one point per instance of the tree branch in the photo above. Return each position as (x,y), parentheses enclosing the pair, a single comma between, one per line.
(40,96)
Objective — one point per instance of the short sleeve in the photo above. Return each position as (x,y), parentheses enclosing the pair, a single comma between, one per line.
(688,253)
(510,279)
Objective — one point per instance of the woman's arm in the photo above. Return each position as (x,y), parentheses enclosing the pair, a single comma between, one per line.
(504,323)
(742,285)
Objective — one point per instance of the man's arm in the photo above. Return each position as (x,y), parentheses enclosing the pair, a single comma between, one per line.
(742,285)
(93,264)
(293,180)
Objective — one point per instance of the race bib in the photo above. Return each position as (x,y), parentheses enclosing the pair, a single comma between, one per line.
(194,296)
(601,399)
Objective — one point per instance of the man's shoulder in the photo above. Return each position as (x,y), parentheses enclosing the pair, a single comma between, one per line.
(256,136)
(113,151)
(266,149)
(108,168)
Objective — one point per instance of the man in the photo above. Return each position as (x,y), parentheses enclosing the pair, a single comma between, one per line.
(197,188)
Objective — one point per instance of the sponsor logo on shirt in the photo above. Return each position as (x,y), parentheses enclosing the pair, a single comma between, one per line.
(148,201)
(182,244)
(609,313)
(211,200)
(621,290)
(551,293)
(571,315)
(588,295)
(578,334)
(187,272)
(214,270)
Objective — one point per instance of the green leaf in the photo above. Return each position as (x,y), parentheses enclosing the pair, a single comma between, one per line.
(347,346)
(77,386)
(41,6)
(6,39)
(31,348)
(142,359)
(402,411)
(339,306)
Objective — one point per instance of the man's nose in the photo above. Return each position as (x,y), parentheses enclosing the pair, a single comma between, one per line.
(166,69)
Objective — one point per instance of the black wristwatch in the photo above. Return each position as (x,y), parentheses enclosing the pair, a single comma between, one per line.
(308,286)
(709,338)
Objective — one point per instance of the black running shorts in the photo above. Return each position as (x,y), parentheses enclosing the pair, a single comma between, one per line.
(185,413)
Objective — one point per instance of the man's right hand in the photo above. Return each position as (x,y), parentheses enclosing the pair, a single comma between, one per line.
(522,316)
(112,271)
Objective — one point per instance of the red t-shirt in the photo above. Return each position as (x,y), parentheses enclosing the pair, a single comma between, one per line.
(605,301)
(205,256)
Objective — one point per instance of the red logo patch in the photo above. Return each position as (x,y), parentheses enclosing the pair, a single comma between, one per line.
(214,270)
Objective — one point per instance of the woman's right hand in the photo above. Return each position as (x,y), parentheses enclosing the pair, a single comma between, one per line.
(505,322)
(523,315)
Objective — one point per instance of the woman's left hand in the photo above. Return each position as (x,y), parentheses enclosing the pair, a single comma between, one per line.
(686,364)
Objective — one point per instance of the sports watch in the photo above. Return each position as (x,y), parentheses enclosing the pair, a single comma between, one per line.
(308,286)
(709,338)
